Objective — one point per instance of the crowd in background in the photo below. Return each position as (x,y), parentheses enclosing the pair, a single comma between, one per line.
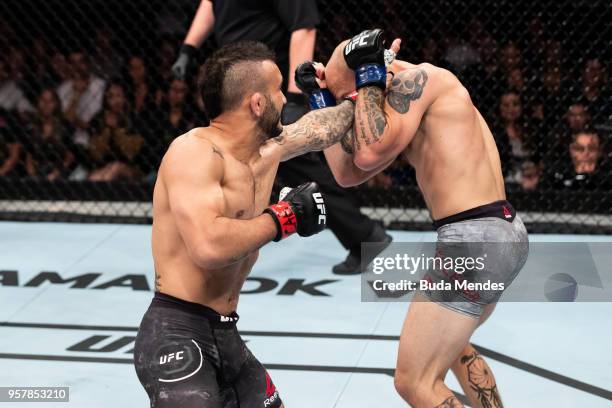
(101,114)
(90,114)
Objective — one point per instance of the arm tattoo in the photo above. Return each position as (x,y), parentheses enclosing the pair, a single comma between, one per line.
(407,86)
(347,142)
(481,381)
(370,116)
(450,402)
(317,130)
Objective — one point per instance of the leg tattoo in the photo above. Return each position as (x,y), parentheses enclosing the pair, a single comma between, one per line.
(482,381)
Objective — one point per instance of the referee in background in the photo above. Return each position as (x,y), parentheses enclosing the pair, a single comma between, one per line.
(288,28)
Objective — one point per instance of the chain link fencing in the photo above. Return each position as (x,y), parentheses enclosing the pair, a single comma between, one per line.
(88,104)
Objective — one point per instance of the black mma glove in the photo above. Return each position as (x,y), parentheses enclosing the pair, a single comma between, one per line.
(365,54)
(306,80)
(301,210)
(186,55)
(294,109)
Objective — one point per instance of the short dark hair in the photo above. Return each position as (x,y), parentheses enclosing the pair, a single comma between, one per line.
(587,130)
(229,73)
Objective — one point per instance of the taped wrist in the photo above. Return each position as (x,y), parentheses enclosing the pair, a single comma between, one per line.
(371,75)
(321,98)
(284,218)
(352,96)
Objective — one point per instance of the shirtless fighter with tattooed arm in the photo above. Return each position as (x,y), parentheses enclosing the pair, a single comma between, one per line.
(211,214)
(424,114)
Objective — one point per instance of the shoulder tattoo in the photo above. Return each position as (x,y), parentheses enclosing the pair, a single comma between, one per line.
(406,86)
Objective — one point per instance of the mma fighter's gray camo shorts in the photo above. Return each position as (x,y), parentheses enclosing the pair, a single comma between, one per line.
(495,238)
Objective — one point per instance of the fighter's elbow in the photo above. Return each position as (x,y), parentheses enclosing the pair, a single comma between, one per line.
(207,256)
(366,160)
(346,180)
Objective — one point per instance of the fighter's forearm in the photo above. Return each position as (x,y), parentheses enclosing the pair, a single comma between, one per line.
(340,160)
(301,48)
(315,131)
(202,25)
(227,240)
(370,118)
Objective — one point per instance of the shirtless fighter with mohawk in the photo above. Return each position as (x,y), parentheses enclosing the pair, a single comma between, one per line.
(424,114)
(210,217)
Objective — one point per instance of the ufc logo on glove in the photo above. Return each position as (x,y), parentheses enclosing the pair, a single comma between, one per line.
(321,206)
(361,40)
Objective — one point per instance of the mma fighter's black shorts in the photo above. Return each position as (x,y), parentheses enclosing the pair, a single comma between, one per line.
(187,355)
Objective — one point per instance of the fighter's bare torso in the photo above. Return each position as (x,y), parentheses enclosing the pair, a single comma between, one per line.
(246,188)
(453,151)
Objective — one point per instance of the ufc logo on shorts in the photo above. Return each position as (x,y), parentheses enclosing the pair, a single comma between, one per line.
(321,206)
(166,358)
(359,40)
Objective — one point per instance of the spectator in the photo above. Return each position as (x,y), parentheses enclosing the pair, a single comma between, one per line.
(141,93)
(483,80)
(460,55)
(39,73)
(515,80)
(584,171)
(12,98)
(511,56)
(60,69)
(17,65)
(530,175)
(553,54)
(200,114)
(81,96)
(576,119)
(594,92)
(11,147)
(106,62)
(166,57)
(49,154)
(519,76)
(534,40)
(176,113)
(145,99)
(514,141)
(552,100)
(116,144)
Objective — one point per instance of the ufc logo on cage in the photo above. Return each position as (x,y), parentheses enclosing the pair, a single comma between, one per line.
(321,206)
(166,358)
(358,40)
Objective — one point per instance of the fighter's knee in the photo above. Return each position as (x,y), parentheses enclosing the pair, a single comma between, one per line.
(414,389)
(407,386)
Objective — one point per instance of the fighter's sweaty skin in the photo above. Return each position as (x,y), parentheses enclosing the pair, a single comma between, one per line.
(453,150)
(246,187)
(243,198)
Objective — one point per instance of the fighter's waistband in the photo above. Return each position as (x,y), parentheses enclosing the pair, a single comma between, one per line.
(216,319)
(499,209)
